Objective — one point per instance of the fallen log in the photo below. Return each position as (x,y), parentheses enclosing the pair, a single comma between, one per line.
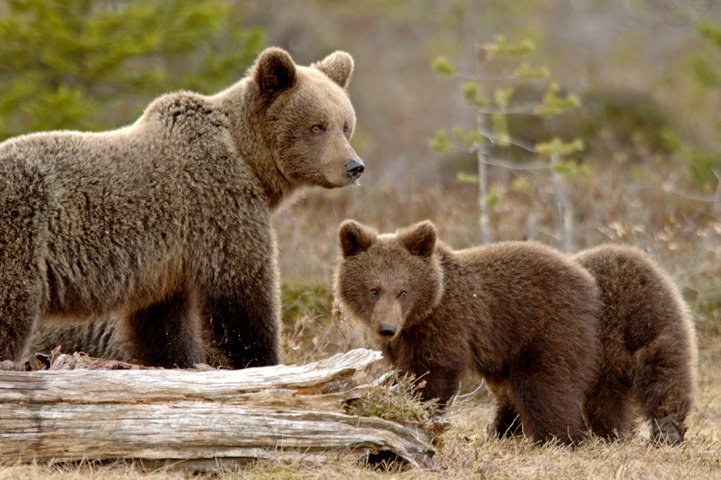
(156,414)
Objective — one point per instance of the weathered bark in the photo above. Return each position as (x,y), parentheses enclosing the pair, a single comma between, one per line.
(160,414)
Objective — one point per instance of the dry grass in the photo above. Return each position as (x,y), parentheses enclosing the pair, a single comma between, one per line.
(399,403)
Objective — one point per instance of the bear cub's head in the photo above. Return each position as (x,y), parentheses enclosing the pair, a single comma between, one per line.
(307,118)
(388,281)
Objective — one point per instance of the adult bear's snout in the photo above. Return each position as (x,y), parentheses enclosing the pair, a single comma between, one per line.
(354,168)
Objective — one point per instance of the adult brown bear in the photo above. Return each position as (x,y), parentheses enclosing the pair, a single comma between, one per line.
(166,222)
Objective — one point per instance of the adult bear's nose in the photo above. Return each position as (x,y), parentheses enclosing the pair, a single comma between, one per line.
(387,330)
(354,168)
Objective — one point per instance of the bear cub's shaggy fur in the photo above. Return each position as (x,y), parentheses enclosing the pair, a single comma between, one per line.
(521,314)
(648,346)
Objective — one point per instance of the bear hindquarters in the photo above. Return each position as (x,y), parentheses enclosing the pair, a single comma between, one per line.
(608,409)
(664,388)
(648,338)
(165,334)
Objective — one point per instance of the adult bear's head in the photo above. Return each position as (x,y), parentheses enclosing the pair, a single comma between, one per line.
(306,117)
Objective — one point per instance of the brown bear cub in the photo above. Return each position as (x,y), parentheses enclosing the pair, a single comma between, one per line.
(649,352)
(166,223)
(521,314)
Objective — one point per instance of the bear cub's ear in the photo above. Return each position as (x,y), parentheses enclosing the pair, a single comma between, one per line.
(419,239)
(274,71)
(355,238)
(338,66)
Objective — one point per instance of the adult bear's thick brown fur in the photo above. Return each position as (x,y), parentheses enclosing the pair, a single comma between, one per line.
(648,343)
(521,314)
(166,222)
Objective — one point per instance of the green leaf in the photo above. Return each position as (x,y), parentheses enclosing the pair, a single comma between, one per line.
(558,147)
(473,137)
(500,130)
(502,96)
(500,47)
(710,32)
(494,195)
(441,141)
(471,94)
(521,185)
(554,104)
(470,90)
(442,66)
(526,72)
(464,177)
(570,170)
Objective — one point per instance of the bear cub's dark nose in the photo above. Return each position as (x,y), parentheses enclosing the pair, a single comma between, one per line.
(353,168)
(387,330)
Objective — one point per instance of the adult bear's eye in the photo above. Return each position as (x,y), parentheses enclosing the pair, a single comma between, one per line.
(316,129)
(402,294)
(346,131)
(374,292)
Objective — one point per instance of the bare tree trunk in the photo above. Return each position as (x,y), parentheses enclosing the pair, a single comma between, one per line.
(484,214)
(161,414)
(565,209)
(717,193)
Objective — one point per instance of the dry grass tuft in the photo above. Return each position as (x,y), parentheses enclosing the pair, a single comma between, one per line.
(395,399)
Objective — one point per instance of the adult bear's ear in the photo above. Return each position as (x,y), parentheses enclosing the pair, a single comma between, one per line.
(419,239)
(274,71)
(355,238)
(338,66)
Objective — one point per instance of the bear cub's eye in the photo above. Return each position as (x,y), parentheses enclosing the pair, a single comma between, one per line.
(402,294)
(346,130)
(374,292)
(317,129)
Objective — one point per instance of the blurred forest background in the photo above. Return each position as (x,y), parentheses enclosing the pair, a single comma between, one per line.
(640,142)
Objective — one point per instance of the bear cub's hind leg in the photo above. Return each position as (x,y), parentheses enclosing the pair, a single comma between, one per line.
(608,410)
